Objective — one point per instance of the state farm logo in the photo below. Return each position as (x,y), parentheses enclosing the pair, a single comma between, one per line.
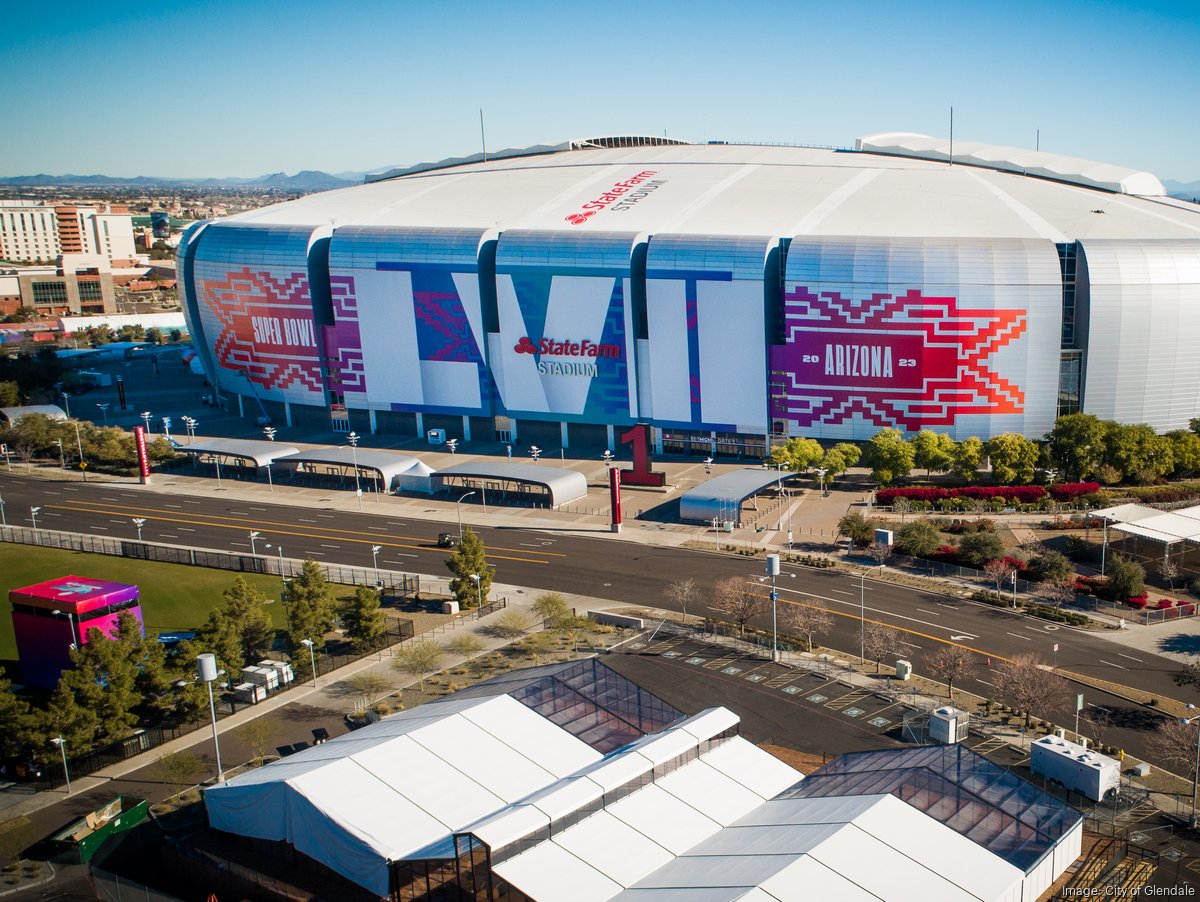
(622,196)
(567,348)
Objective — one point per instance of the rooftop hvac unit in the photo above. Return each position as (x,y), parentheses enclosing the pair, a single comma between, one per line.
(948,725)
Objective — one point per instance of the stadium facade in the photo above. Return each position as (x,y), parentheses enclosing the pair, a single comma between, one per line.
(718,292)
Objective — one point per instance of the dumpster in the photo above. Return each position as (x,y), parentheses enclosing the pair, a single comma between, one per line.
(79,841)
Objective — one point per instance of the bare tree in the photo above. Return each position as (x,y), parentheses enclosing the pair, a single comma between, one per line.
(806,619)
(179,770)
(978,506)
(949,663)
(259,734)
(418,659)
(1099,718)
(1169,570)
(1027,684)
(367,688)
(735,597)
(1175,743)
(902,506)
(879,552)
(511,624)
(1058,591)
(997,572)
(880,640)
(683,593)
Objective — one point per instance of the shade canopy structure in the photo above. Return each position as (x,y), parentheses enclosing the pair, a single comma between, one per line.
(721,497)
(383,465)
(559,485)
(248,451)
(1168,527)
(12,414)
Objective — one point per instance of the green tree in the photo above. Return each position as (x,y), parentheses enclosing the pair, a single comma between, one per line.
(470,558)
(977,548)
(850,452)
(10,394)
(857,528)
(219,635)
(1126,578)
(918,538)
(1014,458)
(363,620)
(551,608)
(465,645)
(418,659)
(1076,444)
(1138,452)
(797,453)
(967,458)
(1185,452)
(15,720)
(103,678)
(1051,565)
(932,451)
(889,456)
(246,608)
(310,606)
(511,623)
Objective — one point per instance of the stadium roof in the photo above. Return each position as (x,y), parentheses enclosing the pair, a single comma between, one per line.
(12,414)
(739,189)
(260,452)
(721,497)
(561,485)
(386,464)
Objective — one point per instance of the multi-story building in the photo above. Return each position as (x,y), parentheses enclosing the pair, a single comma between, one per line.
(80,283)
(35,231)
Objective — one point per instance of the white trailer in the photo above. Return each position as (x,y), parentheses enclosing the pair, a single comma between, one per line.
(1076,767)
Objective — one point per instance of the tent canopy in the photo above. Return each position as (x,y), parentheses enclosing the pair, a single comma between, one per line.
(721,497)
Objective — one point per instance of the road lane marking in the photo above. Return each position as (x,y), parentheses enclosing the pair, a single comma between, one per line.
(985,682)
(305,520)
(323,545)
(1111,664)
(368,538)
(934,613)
(399,554)
(48,492)
(267,526)
(910,645)
(186,529)
(176,506)
(1019,636)
(843,592)
(168,535)
(377,528)
(1130,657)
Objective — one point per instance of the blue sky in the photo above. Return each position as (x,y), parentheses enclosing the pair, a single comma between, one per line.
(242,89)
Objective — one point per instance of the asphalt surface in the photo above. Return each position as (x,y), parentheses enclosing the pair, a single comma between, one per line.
(603,567)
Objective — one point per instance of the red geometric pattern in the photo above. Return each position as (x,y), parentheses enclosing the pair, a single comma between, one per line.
(267,328)
(906,361)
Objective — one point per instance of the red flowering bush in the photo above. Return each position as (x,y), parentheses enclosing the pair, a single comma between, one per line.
(1186,609)
(1066,491)
(1138,601)
(1164,603)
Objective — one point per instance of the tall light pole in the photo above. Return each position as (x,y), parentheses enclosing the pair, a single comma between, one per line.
(312,657)
(269,432)
(146,415)
(478,588)
(104,410)
(62,452)
(208,673)
(62,747)
(375,549)
(862,616)
(166,425)
(254,534)
(535,452)
(33,512)
(189,423)
(352,438)
(79,445)
(821,473)
(66,396)
(3,518)
(70,625)
(458,507)
(139,522)
(773,572)
(1187,721)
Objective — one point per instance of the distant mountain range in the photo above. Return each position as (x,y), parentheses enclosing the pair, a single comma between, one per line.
(1182,190)
(308,180)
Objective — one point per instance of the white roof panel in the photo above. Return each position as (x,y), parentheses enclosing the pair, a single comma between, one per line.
(755,769)
(614,848)
(552,747)
(780,839)
(663,817)
(509,825)
(711,792)
(806,879)
(546,870)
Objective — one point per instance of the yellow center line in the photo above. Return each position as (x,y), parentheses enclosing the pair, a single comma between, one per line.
(373,539)
(96,507)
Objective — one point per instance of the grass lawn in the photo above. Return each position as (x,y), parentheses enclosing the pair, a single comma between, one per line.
(173,596)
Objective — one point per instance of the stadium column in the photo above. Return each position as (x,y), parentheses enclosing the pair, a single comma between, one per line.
(371,419)
(612,438)
(420,424)
(287,412)
(466,428)
(563,431)
(241,409)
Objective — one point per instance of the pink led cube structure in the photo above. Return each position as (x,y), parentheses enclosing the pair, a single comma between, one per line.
(48,618)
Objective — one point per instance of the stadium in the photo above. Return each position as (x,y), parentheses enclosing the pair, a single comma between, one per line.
(720,293)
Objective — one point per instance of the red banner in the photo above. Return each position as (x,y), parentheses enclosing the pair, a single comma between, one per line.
(614,496)
(139,438)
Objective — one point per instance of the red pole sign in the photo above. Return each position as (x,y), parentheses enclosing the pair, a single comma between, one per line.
(139,438)
(614,496)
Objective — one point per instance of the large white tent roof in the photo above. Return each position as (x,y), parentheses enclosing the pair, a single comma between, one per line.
(1169,527)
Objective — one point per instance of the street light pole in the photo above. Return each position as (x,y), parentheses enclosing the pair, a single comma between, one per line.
(254,534)
(352,438)
(62,747)
(862,616)
(458,507)
(3,518)
(145,415)
(33,512)
(139,522)
(478,588)
(208,673)
(104,410)
(375,560)
(773,571)
(62,453)
(312,657)
(1196,772)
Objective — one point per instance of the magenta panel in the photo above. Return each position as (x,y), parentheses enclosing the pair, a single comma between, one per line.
(76,594)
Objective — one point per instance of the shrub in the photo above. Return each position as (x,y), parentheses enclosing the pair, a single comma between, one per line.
(1186,609)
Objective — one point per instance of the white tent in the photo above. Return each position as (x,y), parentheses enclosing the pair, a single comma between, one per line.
(417,478)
